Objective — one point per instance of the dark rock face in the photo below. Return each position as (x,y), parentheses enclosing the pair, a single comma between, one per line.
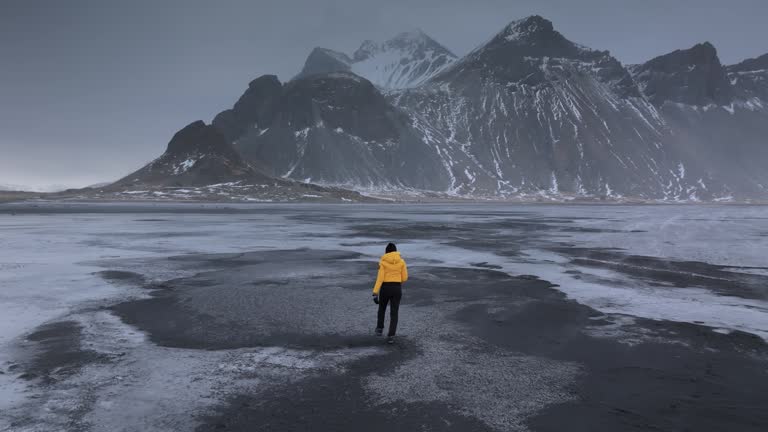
(339,129)
(693,77)
(197,137)
(343,100)
(253,108)
(196,155)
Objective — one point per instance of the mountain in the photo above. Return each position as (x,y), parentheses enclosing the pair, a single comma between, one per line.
(530,112)
(407,60)
(254,107)
(717,115)
(338,129)
(199,163)
(197,155)
(527,114)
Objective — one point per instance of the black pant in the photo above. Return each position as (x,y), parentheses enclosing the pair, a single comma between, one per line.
(390,293)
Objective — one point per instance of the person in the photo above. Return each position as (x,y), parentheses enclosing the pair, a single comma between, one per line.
(388,289)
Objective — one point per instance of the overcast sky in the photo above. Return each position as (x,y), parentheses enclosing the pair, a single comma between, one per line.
(91,90)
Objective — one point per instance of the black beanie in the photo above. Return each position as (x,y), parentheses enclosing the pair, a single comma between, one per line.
(391,248)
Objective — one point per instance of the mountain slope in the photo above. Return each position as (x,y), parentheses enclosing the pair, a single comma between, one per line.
(339,129)
(717,115)
(197,155)
(253,108)
(535,113)
(199,164)
(406,60)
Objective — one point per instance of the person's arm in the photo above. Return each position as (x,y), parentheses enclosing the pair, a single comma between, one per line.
(404,272)
(379,280)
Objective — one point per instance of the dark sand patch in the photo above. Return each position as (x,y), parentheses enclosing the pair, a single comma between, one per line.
(122,277)
(55,352)
(283,298)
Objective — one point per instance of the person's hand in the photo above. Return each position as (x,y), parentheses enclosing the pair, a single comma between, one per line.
(376,299)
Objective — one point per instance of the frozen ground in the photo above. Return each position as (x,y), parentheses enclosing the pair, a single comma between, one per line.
(159,316)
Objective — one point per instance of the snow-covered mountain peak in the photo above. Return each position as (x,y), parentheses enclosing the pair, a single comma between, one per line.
(367,49)
(406,60)
(415,39)
(407,42)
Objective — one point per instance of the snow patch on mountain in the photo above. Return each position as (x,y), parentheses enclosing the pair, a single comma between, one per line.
(186,165)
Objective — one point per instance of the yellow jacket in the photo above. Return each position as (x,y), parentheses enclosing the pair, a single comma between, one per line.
(392,268)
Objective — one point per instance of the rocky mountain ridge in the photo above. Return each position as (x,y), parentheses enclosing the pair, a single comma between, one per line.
(527,115)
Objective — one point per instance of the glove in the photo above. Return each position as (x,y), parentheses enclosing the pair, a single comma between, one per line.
(376,299)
